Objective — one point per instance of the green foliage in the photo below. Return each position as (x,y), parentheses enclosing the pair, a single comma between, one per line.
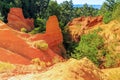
(116,12)
(40,26)
(66,13)
(92,46)
(53,9)
(41,44)
(5,5)
(40,23)
(110,10)
(35,30)
(1,18)
(107,17)
(109,4)
(102,10)
(31,8)
(38,62)
(63,11)
(68,44)
(40,10)
(110,61)
(70,47)
(34,8)
(23,30)
(89,46)
(4,67)
(86,10)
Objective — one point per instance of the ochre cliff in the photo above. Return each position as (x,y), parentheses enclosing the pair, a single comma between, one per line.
(19,48)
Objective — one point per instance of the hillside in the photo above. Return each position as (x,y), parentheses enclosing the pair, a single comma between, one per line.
(107,36)
(26,54)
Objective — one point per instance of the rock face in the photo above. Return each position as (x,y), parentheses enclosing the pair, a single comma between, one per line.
(17,21)
(52,35)
(86,21)
(19,48)
(70,70)
(109,32)
(77,26)
(111,35)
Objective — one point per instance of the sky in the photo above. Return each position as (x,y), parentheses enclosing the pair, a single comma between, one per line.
(97,2)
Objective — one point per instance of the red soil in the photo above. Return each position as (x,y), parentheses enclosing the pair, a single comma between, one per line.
(53,35)
(15,58)
(17,21)
(77,26)
(16,48)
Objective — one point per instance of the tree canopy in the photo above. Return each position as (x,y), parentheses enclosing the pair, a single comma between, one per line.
(31,8)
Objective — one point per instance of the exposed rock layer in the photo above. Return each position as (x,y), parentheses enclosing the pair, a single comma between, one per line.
(17,21)
(77,26)
(70,70)
(20,46)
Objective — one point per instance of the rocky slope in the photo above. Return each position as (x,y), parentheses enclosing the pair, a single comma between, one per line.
(77,26)
(17,21)
(20,48)
(109,32)
(72,69)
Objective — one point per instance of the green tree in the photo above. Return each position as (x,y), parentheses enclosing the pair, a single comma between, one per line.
(109,4)
(63,11)
(4,8)
(1,18)
(53,9)
(107,10)
(34,8)
(77,11)
(107,17)
(66,13)
(31,8)
(116,11)
(86,10)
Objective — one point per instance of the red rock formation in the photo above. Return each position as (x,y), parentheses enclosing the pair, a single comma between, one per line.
(10,41)
(86,21)
(9,56)
(53,35)
(17,21)
(21,45)
(78,25)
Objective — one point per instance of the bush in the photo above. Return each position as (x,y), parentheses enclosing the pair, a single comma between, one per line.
(89,46)
(107,17)
(23,30)
(109,60)
(112,60)
(5,66)
(1,18)
(40,26)
(116,12)
(40,44)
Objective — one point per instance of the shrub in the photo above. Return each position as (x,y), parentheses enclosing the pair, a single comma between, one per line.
(107,17)
(4,66)
(40,26)
(109,60)
(112,60)
(89,46)
(116,12)
(40,44)
(23,30)
(1,17)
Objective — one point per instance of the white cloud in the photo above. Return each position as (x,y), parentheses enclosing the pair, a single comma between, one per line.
(100,2)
